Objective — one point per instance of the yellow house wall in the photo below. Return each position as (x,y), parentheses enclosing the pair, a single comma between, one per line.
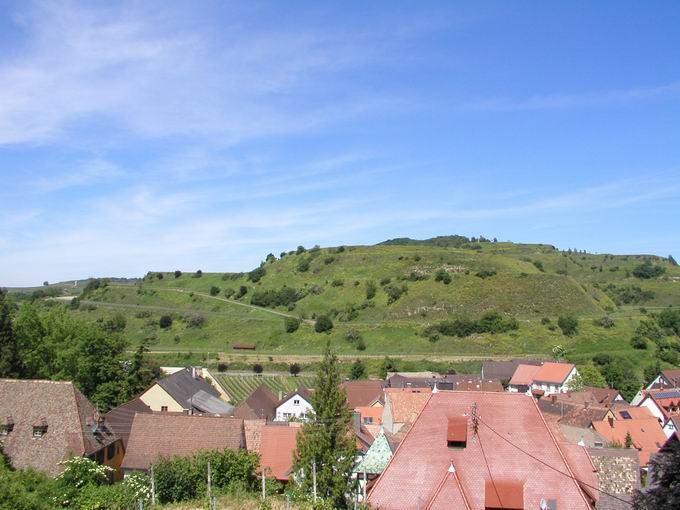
(156,397)
(116,461)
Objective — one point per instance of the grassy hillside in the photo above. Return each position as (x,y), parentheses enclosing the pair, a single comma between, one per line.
(533,284)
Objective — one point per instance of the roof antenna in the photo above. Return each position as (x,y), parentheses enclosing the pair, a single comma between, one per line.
(474,416)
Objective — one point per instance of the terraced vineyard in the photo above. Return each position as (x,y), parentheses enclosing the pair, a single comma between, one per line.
(239,387)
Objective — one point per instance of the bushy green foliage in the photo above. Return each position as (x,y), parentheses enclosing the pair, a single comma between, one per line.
(485,274)
(442,276)
(539,265)
(228,293)
(604,322)
(568,324)
(272,297)
(620,373)
(165,321)
(638,342)
(115,324)
(394,292)
(631,294)
(292,324)
(178,273)
(78,473)
(491,322)
(303,265)
(242,291)
(670,319)
(663,490)
(92,285)
(591,376)
(25,489)
(323,323)
(648,270)
(257,274)
(185,478)
(10,361)
(370,289)
(357,370)
(214,290)
(294,369)
(198,274)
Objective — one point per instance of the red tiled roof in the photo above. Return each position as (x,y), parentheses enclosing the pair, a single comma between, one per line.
(167,435)
(457,429)
(362,393)
(253,433)
(449,493)
(647,434)
(68,415)
(553,373)
(277,448)
(524,375)
(370,412)
(510,424)
(406,406)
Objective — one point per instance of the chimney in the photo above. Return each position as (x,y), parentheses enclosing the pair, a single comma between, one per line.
(553,397)
(356,420)
(280,395)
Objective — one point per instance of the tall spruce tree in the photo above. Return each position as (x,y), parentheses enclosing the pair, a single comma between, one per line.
(327,439)
(10,362)
(663,491)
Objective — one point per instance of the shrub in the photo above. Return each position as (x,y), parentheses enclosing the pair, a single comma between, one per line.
(257,368)
(485,274)
(357,370)
(256,274)
(178,273)
(394,292)
(300,249)
(323,323)
(115,324)
(292,324)
(242,291)
(221,367)
(360,344)
(195,321)
(670,319)
(294,369)
(353,336)
(228,293)
(370,289)
(337,283)
(214,291)
(329,260)
(442,276)
(74,304)
(568,325)
(539,265)
(303,265)
(491,322)
(648,270)
(604,322)
(165,321)
(198,274)
(271,298)
(385,281)
(638,342)
(545,321)
(631,294)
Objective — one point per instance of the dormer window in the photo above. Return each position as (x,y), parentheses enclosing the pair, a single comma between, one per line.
(40,428)
(7,427)
(296,402)
(456,432)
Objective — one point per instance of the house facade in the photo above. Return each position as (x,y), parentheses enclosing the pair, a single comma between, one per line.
(294,406)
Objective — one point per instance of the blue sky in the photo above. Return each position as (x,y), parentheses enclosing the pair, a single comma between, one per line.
(159,136)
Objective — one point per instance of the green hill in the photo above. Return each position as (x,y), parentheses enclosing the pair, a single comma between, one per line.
(531,283)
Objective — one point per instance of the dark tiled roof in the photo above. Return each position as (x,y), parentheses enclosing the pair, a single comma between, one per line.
(69,416)
(302,391)
(362,393)
(182,387)
(166,435)
(260,404)
(618,473)
(120,418)
(206,403)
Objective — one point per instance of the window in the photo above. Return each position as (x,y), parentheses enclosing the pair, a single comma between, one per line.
(111,451)
(99,456)
(164,409)
(296,402)
(39,431)
(598,444)
(368,420)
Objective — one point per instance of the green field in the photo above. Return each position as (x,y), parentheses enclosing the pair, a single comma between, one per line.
(533,283)
(240,387)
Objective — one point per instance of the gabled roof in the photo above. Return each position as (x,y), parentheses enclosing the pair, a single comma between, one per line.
(182,386)
(524,375)
(672,376)
(277,449)
(363,393)
(510,424)
(406,406)
(618,475)
(70,418)
(301,391)
(120,418)
(449,493)
(647,434)
(553,373)
(167,435)
(260,404)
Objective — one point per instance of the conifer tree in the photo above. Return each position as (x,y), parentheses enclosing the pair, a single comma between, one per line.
(663,490)
(10,363)
(327,439)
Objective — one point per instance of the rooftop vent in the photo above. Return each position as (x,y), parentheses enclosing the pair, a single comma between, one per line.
(456,432)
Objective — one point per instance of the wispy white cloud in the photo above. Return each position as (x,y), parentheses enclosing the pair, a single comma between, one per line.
(94,171)
(588,99)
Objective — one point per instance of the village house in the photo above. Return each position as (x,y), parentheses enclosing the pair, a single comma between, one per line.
(541,380)
(481,451)
(402,407)
(504,370)
(294,406)
(639,427)
(664,404)
(186,391)
(43,423)
(277,449)
(366,393)
(166,435)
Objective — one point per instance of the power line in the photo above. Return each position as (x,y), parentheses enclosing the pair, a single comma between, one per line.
(580,482)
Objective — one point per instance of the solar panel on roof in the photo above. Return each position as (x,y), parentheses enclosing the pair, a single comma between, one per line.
(668,394)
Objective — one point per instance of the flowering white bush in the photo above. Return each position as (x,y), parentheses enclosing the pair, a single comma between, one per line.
(79,472)
(138,486)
